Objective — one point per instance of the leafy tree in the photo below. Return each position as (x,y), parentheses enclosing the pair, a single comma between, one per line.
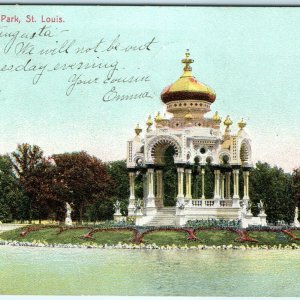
(170,178)
(81,179)
(11,193)
(119,174)
(274,188)
(25,160)
(209,181)
(296,186)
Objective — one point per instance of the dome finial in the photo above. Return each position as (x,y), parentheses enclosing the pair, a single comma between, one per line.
(137,129)
(187,61)
(242,124)
(227,122)
(216,118)
(149,123)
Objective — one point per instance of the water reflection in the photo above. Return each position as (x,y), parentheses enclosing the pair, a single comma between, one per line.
(44,271)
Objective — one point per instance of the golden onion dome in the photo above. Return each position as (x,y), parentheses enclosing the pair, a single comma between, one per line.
(137,130)
(227,122)
(158,118)
(216,117)
(187,87)
(242,124)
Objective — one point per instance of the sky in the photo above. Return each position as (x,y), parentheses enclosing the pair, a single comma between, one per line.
(249,56)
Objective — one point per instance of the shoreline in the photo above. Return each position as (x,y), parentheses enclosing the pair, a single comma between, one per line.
(41,244)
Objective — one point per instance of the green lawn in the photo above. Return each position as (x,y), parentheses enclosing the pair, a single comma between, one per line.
(271,238)
(113,237)
(204,237)
(217,237)
(162,238)
(296,233)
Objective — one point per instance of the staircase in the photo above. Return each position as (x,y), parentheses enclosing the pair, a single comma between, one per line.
(165,216)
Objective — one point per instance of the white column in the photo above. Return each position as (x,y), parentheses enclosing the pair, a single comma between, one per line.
(150,205)
(246,185)
(159,187)
(150,183)
(180,195)
(236,196)
(131,205)
(227,193)
(217,187)
(188,181)
(203,182)
(222,186)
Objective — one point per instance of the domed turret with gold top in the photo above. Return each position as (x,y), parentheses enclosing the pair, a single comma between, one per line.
(188,94)
(187,87)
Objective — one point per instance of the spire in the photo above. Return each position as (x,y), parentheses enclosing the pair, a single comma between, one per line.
(187,61)
(242,124)
(149,123)
(216,118)
(227,122)
(137,130)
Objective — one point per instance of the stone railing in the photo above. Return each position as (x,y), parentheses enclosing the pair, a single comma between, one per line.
(197,202)
(202,203)
(225,203)
(210,203)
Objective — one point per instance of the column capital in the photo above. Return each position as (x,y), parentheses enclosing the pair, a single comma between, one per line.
(217,171)
(188,171)
(180,170)
(236,171)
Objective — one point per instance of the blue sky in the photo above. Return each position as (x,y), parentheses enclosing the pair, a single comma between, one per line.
(249,56)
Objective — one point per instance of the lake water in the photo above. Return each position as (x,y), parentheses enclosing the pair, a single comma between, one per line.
(47,271)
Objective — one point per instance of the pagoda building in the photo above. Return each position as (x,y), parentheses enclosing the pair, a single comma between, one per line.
(195,140)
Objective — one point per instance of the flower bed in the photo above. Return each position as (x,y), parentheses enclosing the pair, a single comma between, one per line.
(153,246)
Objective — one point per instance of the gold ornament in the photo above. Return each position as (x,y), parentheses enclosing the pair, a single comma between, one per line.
(137,129)
(216,117)
(227,122)
(242,124)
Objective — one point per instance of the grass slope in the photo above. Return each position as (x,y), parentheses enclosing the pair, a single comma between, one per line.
(161,238)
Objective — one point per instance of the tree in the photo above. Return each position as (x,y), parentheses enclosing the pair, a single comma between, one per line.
(296,186)
(119,174)
(170,178)
(81,179)
(12,197)
(274,188)
(25,161)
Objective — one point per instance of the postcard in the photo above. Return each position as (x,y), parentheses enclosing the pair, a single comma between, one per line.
(149,150)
